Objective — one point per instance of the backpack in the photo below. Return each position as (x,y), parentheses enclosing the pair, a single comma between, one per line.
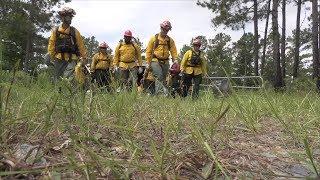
(67,44)
(195,59)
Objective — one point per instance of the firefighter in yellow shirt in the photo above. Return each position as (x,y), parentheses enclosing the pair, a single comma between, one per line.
(159,49)
(100,65)
(193,66)
(66,46)
(127,59)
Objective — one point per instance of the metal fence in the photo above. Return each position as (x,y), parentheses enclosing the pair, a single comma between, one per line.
(240,82)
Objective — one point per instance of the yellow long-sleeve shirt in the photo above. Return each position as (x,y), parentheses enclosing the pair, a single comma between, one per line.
(101,61)
(127,56)
(52,43)
(188,68)
(162,51)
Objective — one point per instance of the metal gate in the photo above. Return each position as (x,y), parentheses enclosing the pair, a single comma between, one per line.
(240,82)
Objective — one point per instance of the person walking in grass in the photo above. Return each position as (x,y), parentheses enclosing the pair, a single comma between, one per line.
(175,79)
(127,59)
(158,51)
(66,47)
(193,67)
(100,66)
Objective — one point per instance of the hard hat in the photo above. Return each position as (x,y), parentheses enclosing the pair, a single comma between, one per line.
(174,69)
(66,11)
(128,33)
(166,25)
(103,45)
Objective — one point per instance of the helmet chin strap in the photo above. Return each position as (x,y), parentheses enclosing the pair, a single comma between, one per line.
(65,25)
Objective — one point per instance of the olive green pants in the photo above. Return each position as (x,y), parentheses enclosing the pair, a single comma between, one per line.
(64,69)
(160,72)
(129,78)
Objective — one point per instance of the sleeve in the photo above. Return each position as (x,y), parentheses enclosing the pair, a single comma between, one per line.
(94,62)
(149,50)
(110,60)
(52,43)
(204,64)
(184,61)
(173,50)
(80,43)
(116,56)
(139,54)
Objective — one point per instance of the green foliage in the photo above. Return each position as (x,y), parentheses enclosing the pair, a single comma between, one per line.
(91,45)
(183,50)
(21,25)
(140,43)
(127,135)
(305,65)
(233,14)
(243,52)
(302,84)
(219,55)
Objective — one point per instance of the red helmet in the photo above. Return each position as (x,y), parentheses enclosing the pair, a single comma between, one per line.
(166,25)
(66,11)
(196,41)
(128,33)
(103,45)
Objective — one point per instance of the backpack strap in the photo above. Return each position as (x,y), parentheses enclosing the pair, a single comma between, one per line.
(135,49)
(169,42)
(197,56)
(72,33)
(195,52)
(74,39)
(156,42)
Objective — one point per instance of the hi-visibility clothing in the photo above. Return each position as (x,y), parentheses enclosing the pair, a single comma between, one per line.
(150,76)
(162,51)
(127,56)
(101,61)
(79,74)
(66,56)
(188,68)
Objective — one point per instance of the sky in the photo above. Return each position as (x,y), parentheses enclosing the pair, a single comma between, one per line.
(107,20)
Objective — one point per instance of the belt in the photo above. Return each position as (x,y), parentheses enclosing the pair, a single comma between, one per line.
(190,65)
(128,62)
(161,59)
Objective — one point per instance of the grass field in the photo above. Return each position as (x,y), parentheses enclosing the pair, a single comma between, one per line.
(249,134)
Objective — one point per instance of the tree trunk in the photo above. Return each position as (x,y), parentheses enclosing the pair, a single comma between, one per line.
(29,42)
(26,61)
(283,41)
(256,38)
(315,37)
(263,59)
(278,80)
(297,43)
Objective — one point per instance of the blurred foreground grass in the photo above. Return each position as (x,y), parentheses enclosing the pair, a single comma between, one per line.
(260,134)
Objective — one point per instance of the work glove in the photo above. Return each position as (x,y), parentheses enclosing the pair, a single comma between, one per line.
(181,74)
(115,69)
(147,66)
(142,81)
(140,70)
(83,61)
